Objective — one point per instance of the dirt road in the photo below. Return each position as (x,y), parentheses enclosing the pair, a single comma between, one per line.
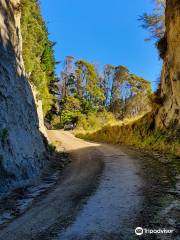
(110,212)
(105,193)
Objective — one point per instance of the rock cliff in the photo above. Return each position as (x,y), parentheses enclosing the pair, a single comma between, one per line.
(169,112)
(39,108)
(22,150)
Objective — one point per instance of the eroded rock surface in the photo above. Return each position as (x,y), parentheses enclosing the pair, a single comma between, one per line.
(21,145)
(169,113)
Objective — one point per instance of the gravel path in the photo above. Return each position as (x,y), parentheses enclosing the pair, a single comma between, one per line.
(103,194)
(110,212)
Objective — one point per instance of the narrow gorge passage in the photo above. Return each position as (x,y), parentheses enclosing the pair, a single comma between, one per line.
(89,120)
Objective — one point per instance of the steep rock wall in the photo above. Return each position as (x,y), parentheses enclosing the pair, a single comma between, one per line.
(169,112)
(39,108)
(21,146)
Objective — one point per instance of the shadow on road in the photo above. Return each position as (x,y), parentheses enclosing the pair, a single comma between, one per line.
(104,193)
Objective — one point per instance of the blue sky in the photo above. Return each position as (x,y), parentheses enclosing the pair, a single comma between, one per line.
(103,31)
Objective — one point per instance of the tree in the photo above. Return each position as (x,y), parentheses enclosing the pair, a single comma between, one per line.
(67,80)
(95,92)
(125,86)
(120,75)
(116,102)
(38,53)
(139,85)
(88,82)
(155,22)
(107,82)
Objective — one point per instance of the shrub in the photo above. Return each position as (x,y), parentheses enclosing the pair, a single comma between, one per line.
(140,133)
(94,120)
(162,46)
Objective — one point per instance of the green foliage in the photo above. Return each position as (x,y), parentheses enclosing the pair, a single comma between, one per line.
(68,116)
(125,86)
(72,104)
(80,91)
(87,106)
(120,75)
(139,133)
(70,109)
(139,85)
(38,51)
(94,120)
(106,82)
(85,93)
(89,80)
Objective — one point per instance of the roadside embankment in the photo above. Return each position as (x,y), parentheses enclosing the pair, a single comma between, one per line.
(140,133)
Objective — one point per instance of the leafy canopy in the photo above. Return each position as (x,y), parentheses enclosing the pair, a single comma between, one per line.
(38,52)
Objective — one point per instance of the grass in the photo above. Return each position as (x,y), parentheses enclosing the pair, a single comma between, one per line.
(139,132)
(94,123)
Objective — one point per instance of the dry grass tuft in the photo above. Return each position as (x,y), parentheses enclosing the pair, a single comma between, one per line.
(139,132)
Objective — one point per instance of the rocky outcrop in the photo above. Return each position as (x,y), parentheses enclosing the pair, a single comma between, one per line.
(39,108)
(21,146)
(169,112)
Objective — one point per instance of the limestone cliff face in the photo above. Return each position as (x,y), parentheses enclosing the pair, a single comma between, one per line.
(39,108)
(169,113)
(21,145)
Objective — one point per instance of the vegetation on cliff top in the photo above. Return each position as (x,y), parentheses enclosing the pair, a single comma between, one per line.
(155,23)
(38,53)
